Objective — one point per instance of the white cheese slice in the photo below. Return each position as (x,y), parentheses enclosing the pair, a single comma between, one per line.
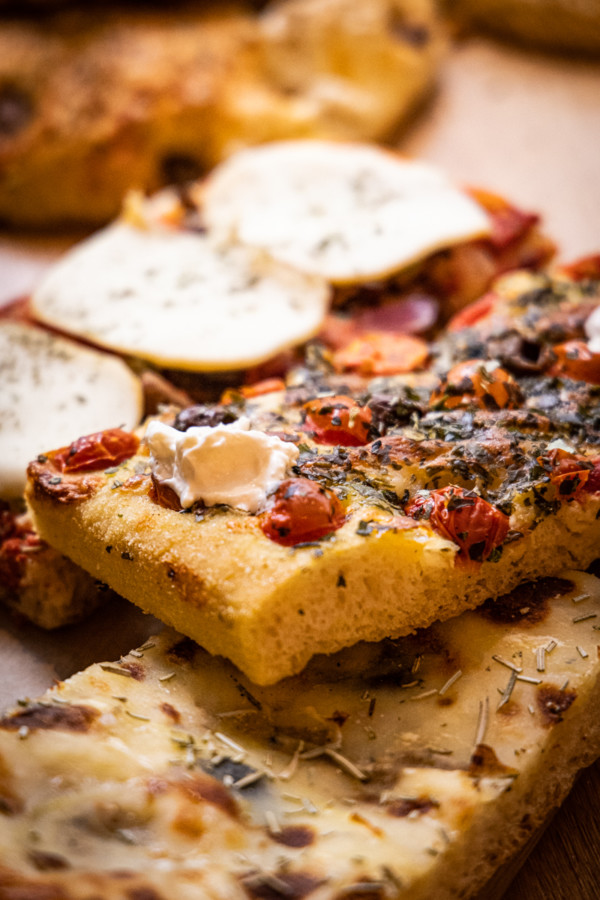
(230,464)
(52,391)
(174,298)
(348,212)
(592,330)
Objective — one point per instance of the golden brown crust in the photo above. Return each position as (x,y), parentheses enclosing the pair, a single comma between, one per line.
(93,103)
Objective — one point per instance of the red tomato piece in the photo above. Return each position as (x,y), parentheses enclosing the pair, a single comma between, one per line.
(588,267)
(464,518)
(338,420)
(381,353)
(575,360)
(302,511)
(470,383)
(472,313)
(509,223)
(592,485)
(567,471)
(97,451)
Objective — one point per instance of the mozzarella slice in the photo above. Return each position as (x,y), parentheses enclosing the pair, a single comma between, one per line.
(175,298)
(347,212)
(52,391)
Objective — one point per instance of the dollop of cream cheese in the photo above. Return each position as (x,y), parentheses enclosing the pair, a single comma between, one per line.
(592,330)
(232,464)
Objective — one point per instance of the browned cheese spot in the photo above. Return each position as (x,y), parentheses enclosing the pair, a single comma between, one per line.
(48,862)
(58,718)
(363,890)
(14,886)
(203,788)
(294,836)
(485,763)
(552,703)
(143,893)
(445,701)
(282,886)
(183,651)
(527,604)
(171,712)
(400,807)
(135,669)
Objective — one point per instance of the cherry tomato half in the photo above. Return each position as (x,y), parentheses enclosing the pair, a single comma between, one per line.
(588,267)
(338,420)
(97,451)
(381,353)
(472,383)
(509,223)
(464,518)
(567,471)
(575,360)
(472,313)
(592,485)
(302,511)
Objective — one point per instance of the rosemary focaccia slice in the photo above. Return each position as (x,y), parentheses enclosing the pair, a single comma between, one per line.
(406,769)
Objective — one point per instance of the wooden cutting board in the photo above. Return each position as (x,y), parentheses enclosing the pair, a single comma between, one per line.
(527,126)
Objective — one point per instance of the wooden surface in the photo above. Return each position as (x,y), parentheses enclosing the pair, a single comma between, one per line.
(527,126)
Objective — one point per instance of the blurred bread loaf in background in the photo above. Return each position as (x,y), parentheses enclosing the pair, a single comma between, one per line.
(567,25)
(98,99)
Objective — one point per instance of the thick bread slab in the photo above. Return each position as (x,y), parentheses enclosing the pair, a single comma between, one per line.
(270,608)
(401,771)
(175,298)
(50,388)
(347,212)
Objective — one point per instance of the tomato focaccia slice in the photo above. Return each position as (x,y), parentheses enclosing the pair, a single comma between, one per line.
(298,522)
(403,770)
(170,295)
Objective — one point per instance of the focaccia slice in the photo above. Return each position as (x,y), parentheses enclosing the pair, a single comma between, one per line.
(411,498)
(408,769)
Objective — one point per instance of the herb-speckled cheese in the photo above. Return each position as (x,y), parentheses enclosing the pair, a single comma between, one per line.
(177,299)
(348,212)
(53,390)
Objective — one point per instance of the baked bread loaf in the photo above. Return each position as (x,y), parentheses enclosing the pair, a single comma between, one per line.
(402,771)
(551,24)
(94,102)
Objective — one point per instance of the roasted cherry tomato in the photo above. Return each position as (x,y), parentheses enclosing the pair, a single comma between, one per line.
(464,518)
(575,360)
(509,223)
(302,511)
(584,269)
(97,451)
(381,353)
(567,471)
(338,420)
(472,313)
(472,383)
(592,485)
